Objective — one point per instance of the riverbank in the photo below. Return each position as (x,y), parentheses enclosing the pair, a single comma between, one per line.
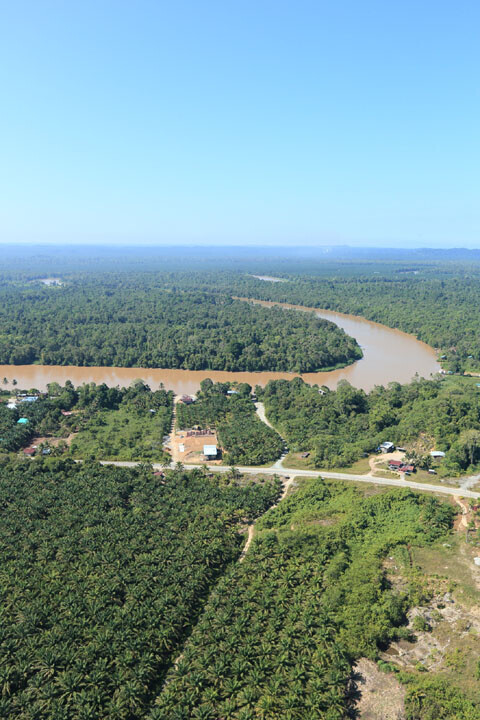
(388,356)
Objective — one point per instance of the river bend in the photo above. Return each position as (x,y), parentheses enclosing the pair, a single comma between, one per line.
(388,355)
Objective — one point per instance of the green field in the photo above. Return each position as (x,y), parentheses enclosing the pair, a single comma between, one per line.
(123,434)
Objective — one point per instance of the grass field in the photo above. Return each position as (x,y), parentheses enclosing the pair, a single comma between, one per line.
(294,461)
(123,435)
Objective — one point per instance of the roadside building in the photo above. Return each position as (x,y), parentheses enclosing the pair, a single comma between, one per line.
(437,454)
(400,466)
(186,400)
(210,452)
(387,447)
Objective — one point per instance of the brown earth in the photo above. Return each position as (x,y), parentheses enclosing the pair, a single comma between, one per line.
(53,441)
(381,695)
(193,447)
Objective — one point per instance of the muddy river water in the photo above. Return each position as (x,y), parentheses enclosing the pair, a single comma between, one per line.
(388,355)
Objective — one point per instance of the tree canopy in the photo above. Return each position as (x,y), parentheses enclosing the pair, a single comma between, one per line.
(339,426)
(104,572)
(115,322)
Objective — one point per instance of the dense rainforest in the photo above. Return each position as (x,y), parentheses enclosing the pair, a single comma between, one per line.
(104,572)
(139,323)
(244,438)
(188,320)
(339,426)
(437,303)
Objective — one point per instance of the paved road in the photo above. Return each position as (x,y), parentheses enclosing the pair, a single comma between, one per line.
(282,472)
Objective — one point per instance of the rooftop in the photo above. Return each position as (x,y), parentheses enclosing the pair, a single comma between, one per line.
(209,449)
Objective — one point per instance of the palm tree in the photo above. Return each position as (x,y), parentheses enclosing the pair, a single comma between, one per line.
(234,473)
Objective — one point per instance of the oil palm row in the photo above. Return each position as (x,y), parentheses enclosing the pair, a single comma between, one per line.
(104,572)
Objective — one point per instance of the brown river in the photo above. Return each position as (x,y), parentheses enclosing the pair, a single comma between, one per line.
(388,355)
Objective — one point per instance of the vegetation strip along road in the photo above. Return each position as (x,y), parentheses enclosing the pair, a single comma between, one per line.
(282,472)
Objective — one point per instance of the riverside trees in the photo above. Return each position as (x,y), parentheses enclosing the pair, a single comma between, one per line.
(339,426)
(108,423)
(130,322)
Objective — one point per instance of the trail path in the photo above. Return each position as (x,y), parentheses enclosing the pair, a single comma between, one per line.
(251,528)
(464,506)
(260,410)
(171,444)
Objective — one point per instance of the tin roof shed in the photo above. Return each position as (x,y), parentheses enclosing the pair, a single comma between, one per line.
(210,450)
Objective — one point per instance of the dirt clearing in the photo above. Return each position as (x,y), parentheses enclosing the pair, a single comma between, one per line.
(187,446)
(381,695)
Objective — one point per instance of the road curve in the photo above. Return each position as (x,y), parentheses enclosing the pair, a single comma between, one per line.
(394,482)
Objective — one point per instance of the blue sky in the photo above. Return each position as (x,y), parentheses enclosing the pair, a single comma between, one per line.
(261,121)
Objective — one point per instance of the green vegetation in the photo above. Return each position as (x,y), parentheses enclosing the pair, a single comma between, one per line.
(109,423)
(121,594)
(435,699)
(281,630)
(131,427)
(104,572)
(246,440)
(338,427)
(44,417)
(131,322)
(186,319)
(436,302)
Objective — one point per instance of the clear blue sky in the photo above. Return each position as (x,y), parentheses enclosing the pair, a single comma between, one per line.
(256,121)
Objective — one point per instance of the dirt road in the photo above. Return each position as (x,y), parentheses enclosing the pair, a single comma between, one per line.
(464,506)
(251,528)
(260,408)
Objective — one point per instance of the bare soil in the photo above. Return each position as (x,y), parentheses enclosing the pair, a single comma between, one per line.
(53,441)
(382,697)
(448,644)
(193,447)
